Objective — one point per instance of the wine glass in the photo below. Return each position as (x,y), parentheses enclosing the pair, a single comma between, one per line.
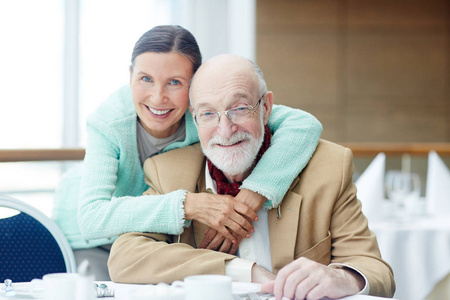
(403,189)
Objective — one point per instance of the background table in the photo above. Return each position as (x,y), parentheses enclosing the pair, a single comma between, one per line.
(418,250)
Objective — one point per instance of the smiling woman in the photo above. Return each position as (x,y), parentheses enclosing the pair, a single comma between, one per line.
(160,96)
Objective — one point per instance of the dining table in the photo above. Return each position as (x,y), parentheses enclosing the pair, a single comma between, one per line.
(122,291)
(417,247)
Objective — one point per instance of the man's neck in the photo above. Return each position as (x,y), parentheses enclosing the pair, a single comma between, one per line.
(238,177)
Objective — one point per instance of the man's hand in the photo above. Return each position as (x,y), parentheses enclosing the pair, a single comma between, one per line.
(213,240)
(216,241)
(307,279)
(261,275)
(220,212)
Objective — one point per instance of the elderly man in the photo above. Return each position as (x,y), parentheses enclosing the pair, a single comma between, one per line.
(317,242)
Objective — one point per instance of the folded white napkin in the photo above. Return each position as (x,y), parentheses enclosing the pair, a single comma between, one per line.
(370,187)
(438,185)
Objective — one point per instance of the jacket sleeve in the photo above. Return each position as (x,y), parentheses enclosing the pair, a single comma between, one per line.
(352,241)
(295,137)
(152,258)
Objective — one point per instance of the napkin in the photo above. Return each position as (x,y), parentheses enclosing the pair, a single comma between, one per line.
(438,185)
(370,186)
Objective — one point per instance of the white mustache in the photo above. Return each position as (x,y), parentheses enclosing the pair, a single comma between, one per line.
(234,139)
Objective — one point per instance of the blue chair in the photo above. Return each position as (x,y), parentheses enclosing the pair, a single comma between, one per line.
(31,244)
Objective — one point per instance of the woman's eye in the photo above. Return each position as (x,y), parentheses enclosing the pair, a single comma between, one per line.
(175,82)
(146,79)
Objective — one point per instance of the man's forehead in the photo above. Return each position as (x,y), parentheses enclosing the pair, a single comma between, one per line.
(211,99)
(238,88)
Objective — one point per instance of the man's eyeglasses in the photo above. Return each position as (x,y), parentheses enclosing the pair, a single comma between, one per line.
(241,114)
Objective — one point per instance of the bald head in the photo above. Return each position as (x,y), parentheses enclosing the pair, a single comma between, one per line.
(219,70)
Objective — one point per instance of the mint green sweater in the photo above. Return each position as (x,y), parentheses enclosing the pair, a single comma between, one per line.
(110,194)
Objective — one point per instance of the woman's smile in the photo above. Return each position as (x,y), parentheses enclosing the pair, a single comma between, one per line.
(159,112)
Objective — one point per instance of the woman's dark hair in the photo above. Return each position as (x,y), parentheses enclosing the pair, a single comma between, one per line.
(169,38)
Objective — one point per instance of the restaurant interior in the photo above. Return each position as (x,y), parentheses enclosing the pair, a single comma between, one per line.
(376,74)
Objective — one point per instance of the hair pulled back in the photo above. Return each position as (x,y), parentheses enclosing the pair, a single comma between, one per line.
(169,38)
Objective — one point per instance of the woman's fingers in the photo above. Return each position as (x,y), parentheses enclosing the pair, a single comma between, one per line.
(245,210)
(254,200)
(222,213)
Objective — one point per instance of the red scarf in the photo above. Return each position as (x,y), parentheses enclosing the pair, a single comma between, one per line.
(223,186)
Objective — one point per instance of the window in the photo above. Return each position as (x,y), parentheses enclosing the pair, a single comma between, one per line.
(61,58)
(30,73)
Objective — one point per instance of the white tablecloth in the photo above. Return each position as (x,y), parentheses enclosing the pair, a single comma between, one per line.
(126,292)
(418,250)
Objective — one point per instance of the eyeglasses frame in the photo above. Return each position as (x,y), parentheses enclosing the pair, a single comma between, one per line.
(252,108)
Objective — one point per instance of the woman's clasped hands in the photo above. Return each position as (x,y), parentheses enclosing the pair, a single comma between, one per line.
(228,217)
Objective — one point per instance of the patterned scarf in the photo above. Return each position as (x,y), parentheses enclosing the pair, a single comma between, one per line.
(223,186)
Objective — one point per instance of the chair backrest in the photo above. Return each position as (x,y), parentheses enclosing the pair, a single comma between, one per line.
(31,244)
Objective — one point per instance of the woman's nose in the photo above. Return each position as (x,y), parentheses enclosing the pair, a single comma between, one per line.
(158,95)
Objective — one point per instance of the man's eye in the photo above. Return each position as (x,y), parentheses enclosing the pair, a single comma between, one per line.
(241,109)
(146,79)
(207,114)
(175,82)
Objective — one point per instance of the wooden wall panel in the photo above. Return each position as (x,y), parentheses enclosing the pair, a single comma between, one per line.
(369,70)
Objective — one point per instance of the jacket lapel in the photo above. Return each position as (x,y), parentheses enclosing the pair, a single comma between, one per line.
(283,230)
(199,228)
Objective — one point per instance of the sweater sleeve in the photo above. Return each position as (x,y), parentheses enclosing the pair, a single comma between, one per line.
(295,137)
(111,200)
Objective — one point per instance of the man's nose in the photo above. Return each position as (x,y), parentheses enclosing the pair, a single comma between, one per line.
(226,128)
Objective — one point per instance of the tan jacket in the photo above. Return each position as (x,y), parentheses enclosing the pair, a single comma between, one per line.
(321,219)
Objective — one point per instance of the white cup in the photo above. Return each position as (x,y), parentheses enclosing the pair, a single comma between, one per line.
(207,287)
(67,286)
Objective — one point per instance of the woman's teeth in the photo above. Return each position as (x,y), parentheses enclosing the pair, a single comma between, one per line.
(159,112)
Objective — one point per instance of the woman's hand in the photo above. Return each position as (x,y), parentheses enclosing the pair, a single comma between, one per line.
(216,241)
(220,212)
(250,198)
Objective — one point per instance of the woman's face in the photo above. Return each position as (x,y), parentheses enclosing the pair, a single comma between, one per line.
(160,87)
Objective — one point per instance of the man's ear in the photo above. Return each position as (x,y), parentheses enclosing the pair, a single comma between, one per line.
(267,103)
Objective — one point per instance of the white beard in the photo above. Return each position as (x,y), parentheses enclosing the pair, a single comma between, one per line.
(236,160)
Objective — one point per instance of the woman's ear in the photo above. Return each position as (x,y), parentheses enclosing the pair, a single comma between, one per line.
(267,104)
(130,69)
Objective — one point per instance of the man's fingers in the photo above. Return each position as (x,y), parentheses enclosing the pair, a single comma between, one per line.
(282,276)
(209,236)
(235,246)
(225,247)
(216,242)
(297,283)
(227,234)
(268,287)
